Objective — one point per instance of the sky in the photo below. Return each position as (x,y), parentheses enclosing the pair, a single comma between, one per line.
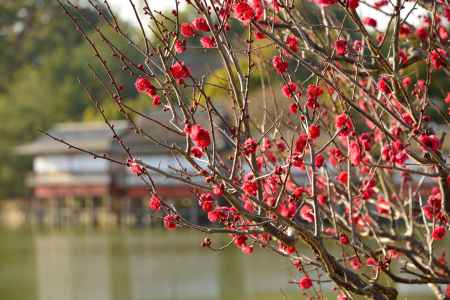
(125,10)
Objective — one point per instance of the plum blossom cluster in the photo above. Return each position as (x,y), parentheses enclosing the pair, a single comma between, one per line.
(143,85)
(318,132)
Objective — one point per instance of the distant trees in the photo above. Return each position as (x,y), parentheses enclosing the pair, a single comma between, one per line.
(41,59)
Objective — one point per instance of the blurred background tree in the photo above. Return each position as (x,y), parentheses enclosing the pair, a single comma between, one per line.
(41,57)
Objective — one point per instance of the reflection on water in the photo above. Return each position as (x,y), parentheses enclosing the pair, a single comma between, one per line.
(141,265)
(133,265)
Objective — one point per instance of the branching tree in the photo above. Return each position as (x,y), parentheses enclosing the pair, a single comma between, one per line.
(347,162)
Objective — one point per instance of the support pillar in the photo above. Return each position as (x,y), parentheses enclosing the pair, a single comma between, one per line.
(96,203)
(138,211)
(194,214)
(116,208)
(39,210)
(59,216)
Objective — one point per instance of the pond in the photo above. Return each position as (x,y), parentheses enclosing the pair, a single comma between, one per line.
(86,264)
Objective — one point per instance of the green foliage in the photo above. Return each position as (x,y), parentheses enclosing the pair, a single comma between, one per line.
(217,83)
(38,78)
(142,103)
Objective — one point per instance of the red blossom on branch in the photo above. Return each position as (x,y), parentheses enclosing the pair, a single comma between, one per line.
(341,47)
(180,46)
(369,21)
(438,233)
(305,282)
(279,65)
(200,24)
(208,42)
(344,124)
(154,203)
(200,136)
(289,89)
(179,71)
(244,11)
(135,167)
(187,30)
(430,142)
(170,221)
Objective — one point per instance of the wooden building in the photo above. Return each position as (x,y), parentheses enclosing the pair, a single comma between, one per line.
(69,186)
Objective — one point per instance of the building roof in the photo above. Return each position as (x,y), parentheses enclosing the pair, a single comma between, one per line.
(97,136)
(92,136)
(140,144)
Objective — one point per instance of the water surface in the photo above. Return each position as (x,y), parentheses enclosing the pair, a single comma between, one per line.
(84,264)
